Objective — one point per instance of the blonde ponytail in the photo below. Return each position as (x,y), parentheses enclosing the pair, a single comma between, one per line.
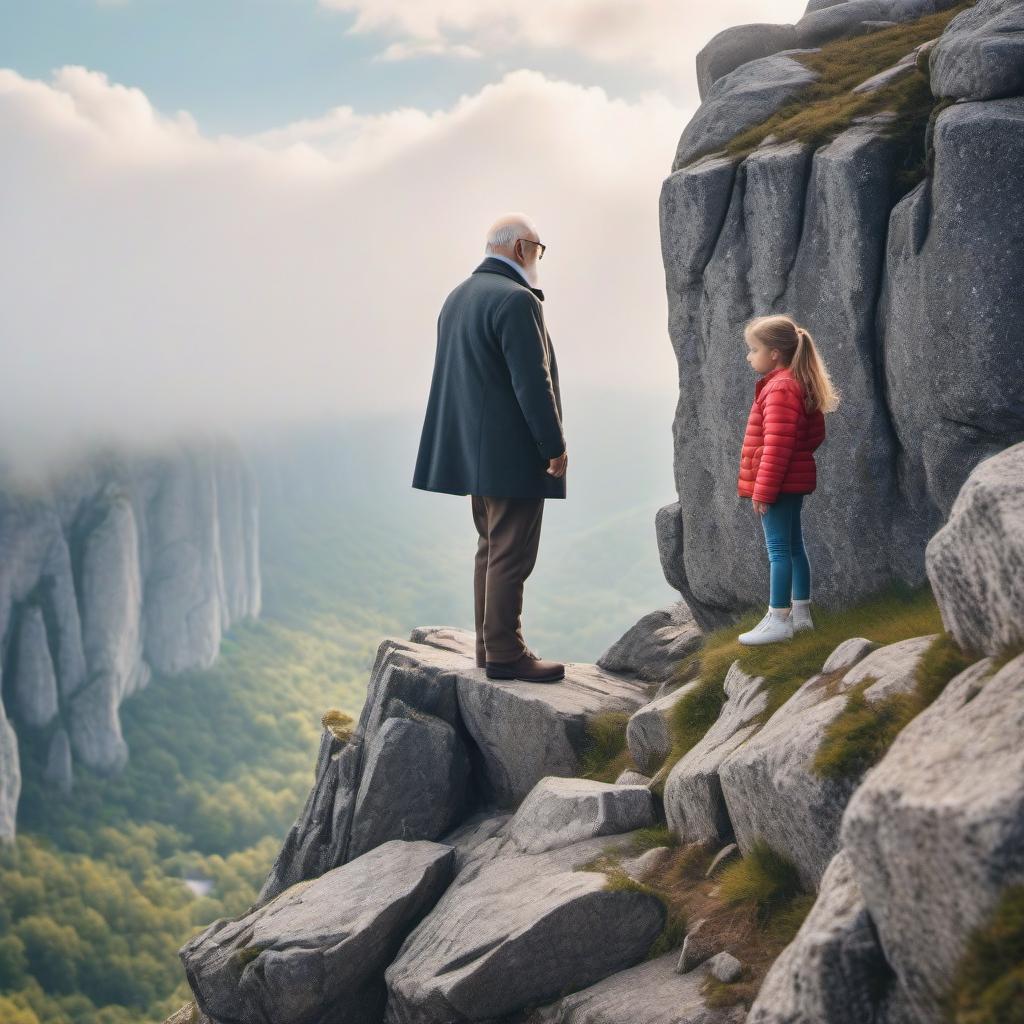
(801,356)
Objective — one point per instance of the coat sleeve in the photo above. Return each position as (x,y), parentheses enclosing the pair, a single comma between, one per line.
(782,412)
(521,335)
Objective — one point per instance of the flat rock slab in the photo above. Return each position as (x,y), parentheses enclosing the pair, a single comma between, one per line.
(559,811)
(525,731)
(650,993)
(318,951)
(518,931)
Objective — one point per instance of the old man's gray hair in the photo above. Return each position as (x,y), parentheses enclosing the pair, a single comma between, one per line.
(505,235)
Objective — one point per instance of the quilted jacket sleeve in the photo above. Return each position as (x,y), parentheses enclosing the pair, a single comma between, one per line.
(782,408)
(521,335)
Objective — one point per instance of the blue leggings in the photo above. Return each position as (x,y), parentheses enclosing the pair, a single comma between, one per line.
(786,555)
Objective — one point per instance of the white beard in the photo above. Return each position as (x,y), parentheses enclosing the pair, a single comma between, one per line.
(532,275)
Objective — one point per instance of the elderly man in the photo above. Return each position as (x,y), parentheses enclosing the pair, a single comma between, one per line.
(493,430)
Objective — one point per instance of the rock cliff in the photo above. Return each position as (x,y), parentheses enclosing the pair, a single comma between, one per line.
(110,571)
(896,237)
(457,860)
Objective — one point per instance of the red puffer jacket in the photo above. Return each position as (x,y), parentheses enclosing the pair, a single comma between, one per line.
(779,440)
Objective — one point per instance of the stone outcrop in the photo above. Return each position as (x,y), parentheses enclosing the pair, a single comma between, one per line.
(981,54)
(122,566)
(834,969)
(976,561)
(510,734)
(517,932)
(694,806)
(652,648)
(935,833)
(318,952)
(921,342)
(768,784)
(823,21)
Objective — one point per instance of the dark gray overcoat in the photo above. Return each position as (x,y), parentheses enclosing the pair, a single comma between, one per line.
(494,415)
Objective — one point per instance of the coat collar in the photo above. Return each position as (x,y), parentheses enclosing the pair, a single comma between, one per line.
(492,266)
(770,375)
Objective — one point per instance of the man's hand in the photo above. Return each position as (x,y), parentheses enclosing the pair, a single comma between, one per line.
(760,507)
(556,467)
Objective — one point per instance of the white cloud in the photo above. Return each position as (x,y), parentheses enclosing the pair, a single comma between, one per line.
(658,35)
(153,278)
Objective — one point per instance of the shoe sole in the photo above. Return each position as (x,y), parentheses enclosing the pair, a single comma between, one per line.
(525,679)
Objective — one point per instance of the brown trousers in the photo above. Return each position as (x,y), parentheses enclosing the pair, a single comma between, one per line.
(506,553)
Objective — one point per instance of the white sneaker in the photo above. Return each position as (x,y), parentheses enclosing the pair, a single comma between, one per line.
(771,628)
(801,615)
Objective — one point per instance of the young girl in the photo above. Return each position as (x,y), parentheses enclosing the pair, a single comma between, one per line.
(785,425)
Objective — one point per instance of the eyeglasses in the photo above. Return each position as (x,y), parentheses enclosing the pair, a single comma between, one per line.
(540,255)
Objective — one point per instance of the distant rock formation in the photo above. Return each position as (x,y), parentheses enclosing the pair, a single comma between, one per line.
(914,299)
(123,566)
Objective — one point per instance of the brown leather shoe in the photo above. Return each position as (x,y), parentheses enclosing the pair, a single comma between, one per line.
(527,668)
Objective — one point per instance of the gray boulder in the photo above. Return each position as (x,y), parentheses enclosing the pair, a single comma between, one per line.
(472,833)
(649,993)
(744,97)
(652,648)
(825,22)
(413,784)
(516,932)
(514,734)
(833,970)
(769,788)
(648,732)
(981,54)
(318,951)
(738,45)
(725,967)
(694,805)
(559,811)
(976,561)
(952,788)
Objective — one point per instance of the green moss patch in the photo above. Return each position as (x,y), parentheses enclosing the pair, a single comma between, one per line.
(862,733)
(896,612)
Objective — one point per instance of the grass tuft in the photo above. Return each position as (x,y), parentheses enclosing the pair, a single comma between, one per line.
(339,722)
(988,986)
(606,754)
(763,880)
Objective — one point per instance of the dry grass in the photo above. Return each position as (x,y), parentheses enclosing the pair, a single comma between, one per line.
(753,937)
(829,106)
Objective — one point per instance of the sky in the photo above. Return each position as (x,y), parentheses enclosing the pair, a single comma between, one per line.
(215,212)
